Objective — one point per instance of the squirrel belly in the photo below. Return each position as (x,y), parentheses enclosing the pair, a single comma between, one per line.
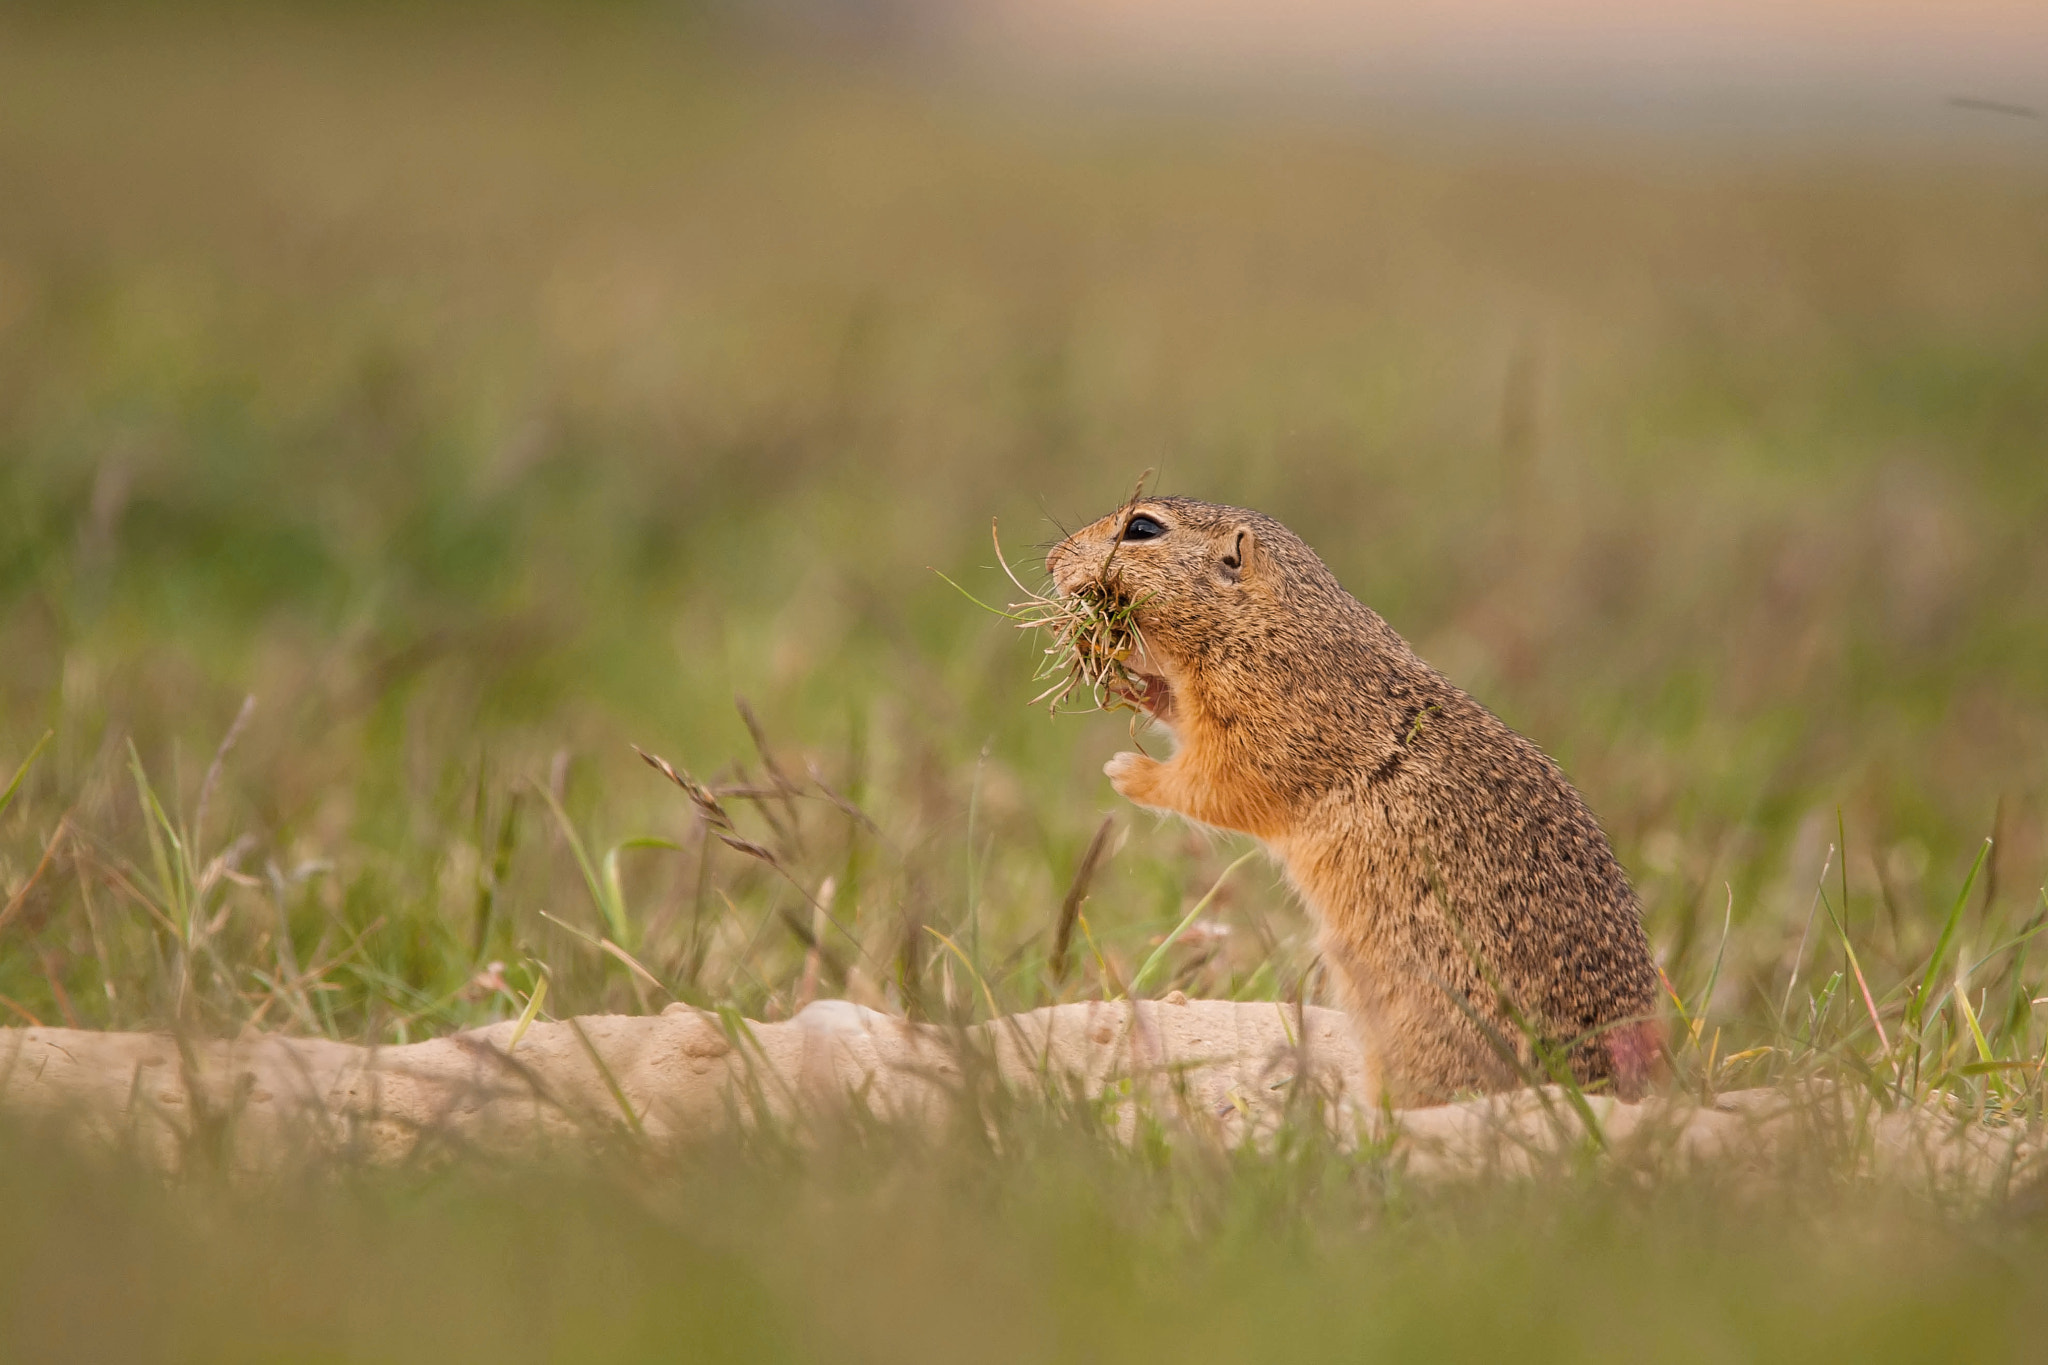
(1471,911)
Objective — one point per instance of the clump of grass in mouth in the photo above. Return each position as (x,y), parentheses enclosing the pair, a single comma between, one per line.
(1092,634)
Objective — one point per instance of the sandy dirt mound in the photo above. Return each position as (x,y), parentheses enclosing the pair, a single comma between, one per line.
(1220,1070)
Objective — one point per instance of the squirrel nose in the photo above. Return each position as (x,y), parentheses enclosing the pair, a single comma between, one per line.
(1053,559)
(1067,566)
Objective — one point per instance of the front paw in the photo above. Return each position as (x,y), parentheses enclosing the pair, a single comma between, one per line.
(1135,777)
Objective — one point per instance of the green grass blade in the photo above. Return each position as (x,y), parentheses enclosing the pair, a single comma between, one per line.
(973,972)
(1970,1018)
(21,773)
(1838,923)
(993,611)
(1158,958)
(614,903)
(172,883)
(611,1082)
(1915,1010)
(601,887)
(1698,1018)
(532,1010)
(614,906)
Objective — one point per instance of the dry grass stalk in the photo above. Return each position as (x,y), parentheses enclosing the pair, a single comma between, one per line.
(709,809)
(815,953)
(718,821)
(1070,908)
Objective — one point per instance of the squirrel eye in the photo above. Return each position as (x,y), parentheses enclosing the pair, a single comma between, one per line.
(1142,528)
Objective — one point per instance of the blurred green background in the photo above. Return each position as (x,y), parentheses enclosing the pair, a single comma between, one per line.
(485,392)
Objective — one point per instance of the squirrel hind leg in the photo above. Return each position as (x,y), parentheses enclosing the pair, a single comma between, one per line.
(1636,1057)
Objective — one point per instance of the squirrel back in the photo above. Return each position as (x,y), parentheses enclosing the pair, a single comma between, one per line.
(1476,920)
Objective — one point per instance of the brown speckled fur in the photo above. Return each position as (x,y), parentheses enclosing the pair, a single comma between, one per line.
(1455,872)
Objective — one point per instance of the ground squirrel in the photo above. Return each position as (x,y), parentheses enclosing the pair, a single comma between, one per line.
(1466,896)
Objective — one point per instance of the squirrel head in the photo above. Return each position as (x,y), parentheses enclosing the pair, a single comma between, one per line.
(1209,583)
(1162,549)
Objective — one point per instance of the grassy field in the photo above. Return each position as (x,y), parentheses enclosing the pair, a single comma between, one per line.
(483,400)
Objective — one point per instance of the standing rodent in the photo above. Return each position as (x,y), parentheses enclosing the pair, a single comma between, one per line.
(1459,879)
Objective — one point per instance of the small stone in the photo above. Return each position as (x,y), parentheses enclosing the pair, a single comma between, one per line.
(1176,998)
(706,1042)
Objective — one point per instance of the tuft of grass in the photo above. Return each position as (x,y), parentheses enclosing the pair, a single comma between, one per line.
(1093,631)
(21,773)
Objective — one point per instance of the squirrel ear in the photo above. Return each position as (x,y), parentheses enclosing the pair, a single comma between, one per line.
(1237,560)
